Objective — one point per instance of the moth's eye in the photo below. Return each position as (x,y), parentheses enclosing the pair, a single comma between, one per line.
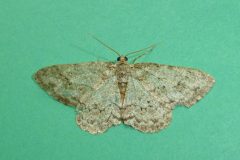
(126,58)
(118,59)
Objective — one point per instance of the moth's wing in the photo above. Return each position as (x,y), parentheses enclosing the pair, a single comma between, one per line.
(100,110)
(170,84)
(90,86)
(69,82)
(143,111)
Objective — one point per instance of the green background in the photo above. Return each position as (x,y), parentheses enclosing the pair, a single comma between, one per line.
(203,34)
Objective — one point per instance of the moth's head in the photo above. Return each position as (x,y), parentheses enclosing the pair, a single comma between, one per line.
(122,59)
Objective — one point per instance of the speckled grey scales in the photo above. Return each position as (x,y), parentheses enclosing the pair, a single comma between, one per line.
(141,95)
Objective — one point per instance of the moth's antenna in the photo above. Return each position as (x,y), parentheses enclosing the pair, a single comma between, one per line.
(106,45)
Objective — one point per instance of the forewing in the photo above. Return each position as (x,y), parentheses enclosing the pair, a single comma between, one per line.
(170,84)
(143,111)
(69,82)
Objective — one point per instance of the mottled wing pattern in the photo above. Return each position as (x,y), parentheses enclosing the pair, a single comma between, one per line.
(171,84)
(100,110)
(143,111)
(154,90)
(69,82)
(91,87)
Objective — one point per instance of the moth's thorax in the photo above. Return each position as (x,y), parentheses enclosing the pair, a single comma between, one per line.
(122,72)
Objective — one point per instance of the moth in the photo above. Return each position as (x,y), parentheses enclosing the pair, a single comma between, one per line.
(141,95)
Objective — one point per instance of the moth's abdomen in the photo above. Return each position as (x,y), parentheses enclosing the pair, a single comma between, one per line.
(122,73)
(122,87)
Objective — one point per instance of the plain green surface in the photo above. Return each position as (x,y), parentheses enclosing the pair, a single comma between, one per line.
(203,34)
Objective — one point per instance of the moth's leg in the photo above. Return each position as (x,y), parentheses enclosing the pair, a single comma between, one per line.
(134,60)
(141,52)
(149,48)
(88,52)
